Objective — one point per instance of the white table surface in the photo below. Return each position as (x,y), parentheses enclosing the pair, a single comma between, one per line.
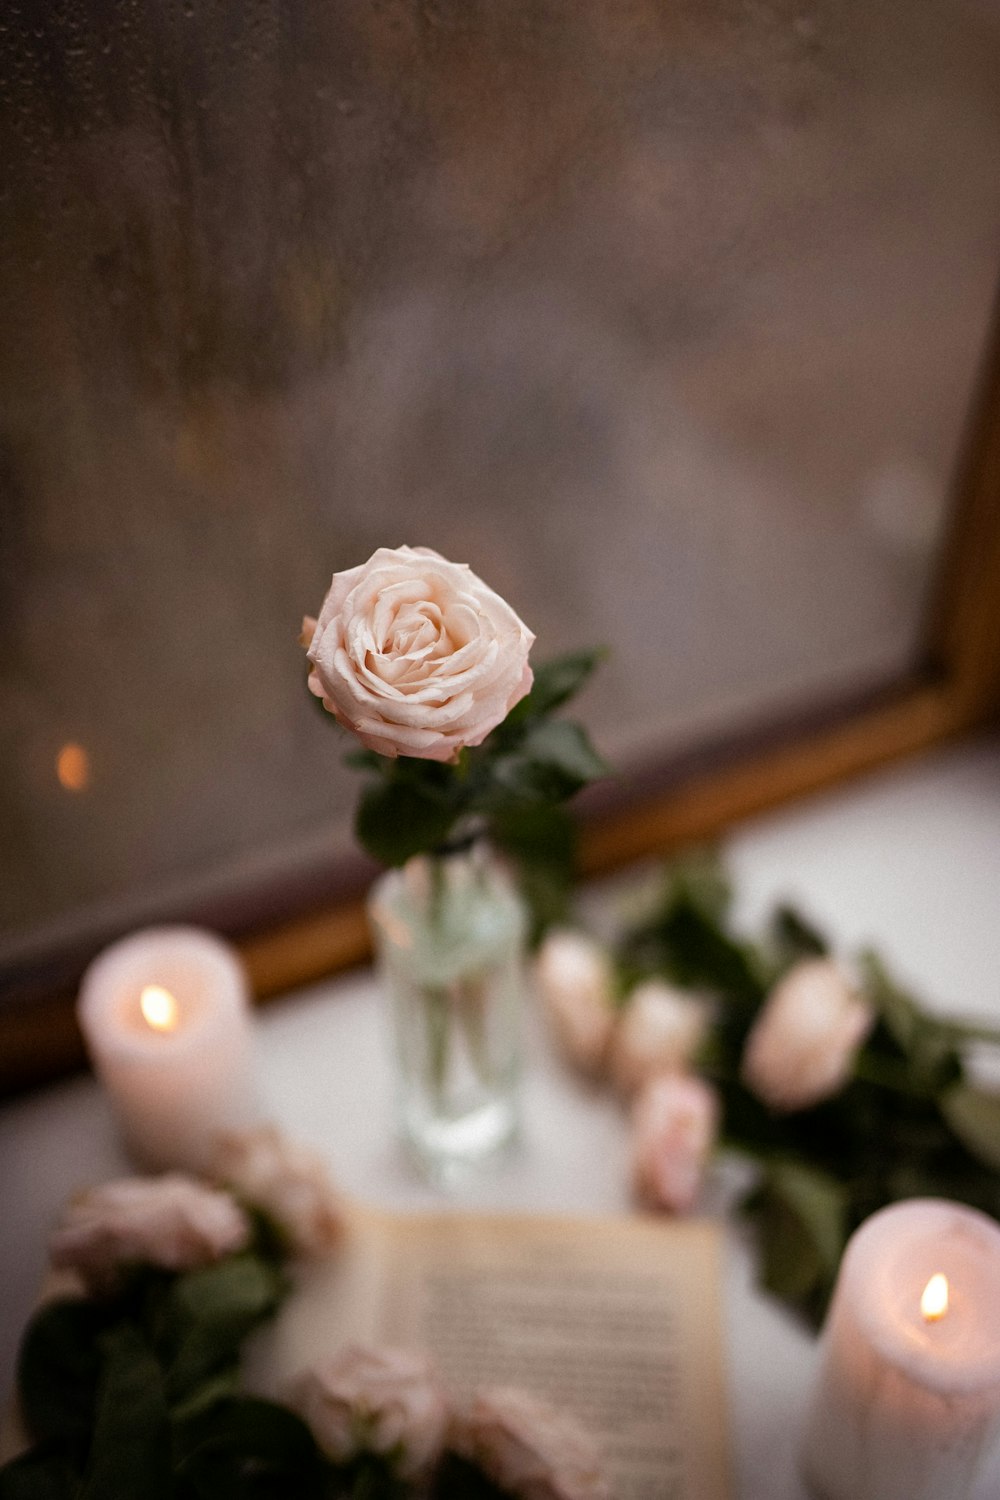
(908,859)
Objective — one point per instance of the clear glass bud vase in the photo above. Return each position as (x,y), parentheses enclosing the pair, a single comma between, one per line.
(449,936)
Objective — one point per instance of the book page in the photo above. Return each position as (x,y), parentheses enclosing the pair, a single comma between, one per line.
(614,1320)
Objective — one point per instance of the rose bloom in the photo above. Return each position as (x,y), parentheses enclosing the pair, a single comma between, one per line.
(659,1031)
(674,1125)
(416,655)
(169,1221)
(383,1401)
(802,1046)
(573,975)
(287,1182)
(528,1448)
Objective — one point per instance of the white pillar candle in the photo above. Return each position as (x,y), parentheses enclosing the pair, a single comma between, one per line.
(909,1386)
(166,1021)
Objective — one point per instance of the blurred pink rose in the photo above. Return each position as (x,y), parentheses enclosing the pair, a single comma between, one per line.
(674,1125)
(416,654)
(170,1221)
(574,979)
(659,1031)
(287,1182)
(528,1448)
(802,1046)
(383,1401)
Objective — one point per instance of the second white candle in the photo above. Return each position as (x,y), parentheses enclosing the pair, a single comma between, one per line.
(908,1398)
(166,1020)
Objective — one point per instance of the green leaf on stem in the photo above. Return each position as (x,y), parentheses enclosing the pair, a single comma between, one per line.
(795,937)
(397,819)
(541,839)
(897,1010)
(556,681)
(563,746)
(249,1449)
(208,1315)
(44,1473)
(59,1369)
(131,1450)
(699,880)
(800,1214)
(364,760)
(458,1479)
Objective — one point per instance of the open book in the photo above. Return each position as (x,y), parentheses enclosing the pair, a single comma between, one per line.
(614,1320)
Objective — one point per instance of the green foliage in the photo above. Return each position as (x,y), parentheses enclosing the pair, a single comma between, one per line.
(510,788)
(46,1473)
(137,1396)
(130,1449)
(247,1449)
(59,1368)
(974,1116)
(112,1390)
(458,1479)
(207,1315)
(908,1123)
(801,1217)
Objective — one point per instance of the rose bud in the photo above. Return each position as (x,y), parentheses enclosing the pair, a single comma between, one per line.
(171,1221)
(675,1121)
(287,1182)
(387,1402)
(659,1031)
(802,1046)
(574,979)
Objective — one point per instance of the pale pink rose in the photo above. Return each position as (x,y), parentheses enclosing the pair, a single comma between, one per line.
(802,1046)
(287,1182)
(659,1031)
(417,655)
(383,1401)
(575,982)
(528,1448)
(675,1121)
(169,1221)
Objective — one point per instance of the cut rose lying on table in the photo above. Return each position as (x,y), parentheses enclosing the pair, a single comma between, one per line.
(131,1387)
(777,1049)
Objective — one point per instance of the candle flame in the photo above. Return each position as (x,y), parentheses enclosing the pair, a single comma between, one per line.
(934,1302)
(159,1008)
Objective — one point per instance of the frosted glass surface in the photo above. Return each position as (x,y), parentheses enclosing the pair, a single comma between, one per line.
(663,317)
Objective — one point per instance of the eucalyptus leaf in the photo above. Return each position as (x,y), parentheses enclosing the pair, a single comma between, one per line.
(974,1116)
(130,1454)
(59,1369)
